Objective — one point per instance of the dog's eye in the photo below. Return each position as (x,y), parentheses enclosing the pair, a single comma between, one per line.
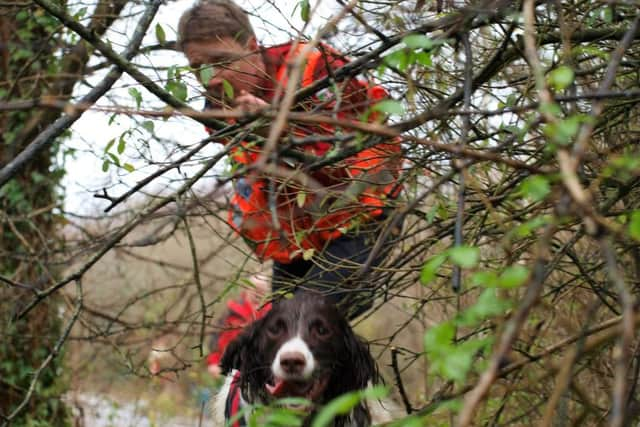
(276,328)
(320,329)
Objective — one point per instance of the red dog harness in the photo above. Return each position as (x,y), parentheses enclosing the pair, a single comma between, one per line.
(234,402)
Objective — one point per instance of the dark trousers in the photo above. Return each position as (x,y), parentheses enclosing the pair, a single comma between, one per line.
(339,271)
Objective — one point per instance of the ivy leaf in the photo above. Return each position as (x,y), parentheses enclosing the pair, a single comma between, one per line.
(464,256)
(160,34)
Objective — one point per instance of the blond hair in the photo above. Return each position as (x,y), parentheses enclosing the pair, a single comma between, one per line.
(213,19)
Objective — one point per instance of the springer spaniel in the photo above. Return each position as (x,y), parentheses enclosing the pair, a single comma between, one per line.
(303,347)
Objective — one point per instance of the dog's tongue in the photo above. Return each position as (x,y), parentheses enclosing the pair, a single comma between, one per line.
(277,389)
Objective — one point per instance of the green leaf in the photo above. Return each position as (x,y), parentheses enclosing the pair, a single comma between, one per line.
(411,421)
(561,77)
(389,106)
(550,108)
(424,58)
(439,338)
(228,89)
(136,95)
(342,405)
(430,269)
(283,418)
(206,74)
(305,10)
(177,89)
(105,165)
(458,364)
(301,197)
(487,305)
(398,59)
(308,254)
(148,126)
(122,143)
(160,34)
(634,225)
(128,167)
(171,72)
(114,159)
(487,279)
(339,406)
(418,41)
(525,229)
(464,256)
(79,14)
(109,144)
(513,277)
(535,187)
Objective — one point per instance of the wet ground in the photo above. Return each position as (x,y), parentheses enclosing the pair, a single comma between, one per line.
(94,410)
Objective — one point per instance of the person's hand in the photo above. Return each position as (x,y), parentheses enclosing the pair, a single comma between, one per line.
(214,370)
(261,288)
(248,102)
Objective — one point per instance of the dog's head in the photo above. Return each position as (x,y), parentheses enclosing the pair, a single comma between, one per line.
(303,348)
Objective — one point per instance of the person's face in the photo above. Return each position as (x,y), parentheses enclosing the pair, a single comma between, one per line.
(224,59)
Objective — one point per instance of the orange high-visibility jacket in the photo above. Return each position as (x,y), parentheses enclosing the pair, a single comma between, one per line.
(282,215)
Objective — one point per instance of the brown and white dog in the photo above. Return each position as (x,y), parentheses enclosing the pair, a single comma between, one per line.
(302,348)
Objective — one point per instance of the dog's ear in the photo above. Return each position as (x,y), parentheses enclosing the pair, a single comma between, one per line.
(240,350)
(363,367)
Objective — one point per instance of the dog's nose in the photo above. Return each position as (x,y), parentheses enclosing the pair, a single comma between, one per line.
(292,362)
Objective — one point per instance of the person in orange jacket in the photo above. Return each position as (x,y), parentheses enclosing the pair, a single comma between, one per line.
(318,225)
